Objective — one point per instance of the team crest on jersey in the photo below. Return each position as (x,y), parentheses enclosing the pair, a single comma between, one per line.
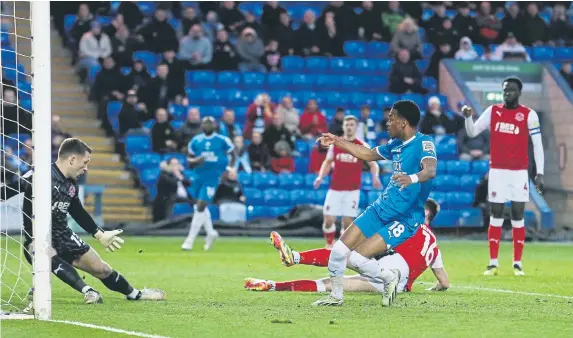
(493,194)
(72,191)
(519,117)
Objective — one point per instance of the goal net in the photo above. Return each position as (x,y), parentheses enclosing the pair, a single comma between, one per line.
(25,145)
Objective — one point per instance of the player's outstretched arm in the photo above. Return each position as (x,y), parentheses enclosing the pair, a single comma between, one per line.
(108,239)
(443,282)
(429,168)
(359,151)
(482,123)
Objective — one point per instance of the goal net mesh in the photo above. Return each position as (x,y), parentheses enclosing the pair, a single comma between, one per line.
(16,150)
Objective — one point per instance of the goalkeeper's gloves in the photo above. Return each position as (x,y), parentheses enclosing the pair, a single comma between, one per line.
(109,239)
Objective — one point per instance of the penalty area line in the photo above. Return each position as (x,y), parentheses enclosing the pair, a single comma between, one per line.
(107,328)
(479,288)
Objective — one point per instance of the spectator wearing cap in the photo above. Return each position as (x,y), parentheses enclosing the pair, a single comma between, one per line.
(132,113)
(436,121)
(158,34)
(405,75)
(228,127)
(94,45)
(251,50)
(196,49)
(464,23)
(366,130)
(289,114)
(444,51)
(162,133)
(466,51)
(473,148)
(537,32)
(407,37)
(225,55)
(335,126)
(138,78)
(312,122)
(510,49)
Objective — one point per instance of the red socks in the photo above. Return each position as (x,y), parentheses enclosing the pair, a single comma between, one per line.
(297,285)
(318,257)
(518,232)
(493,237)
(329,234)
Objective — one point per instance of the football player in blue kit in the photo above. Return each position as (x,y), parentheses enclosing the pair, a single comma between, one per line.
(396,214)
(209,154)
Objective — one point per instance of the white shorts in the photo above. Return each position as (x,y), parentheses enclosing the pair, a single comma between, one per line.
(395,261)
(508,185)
(341,203)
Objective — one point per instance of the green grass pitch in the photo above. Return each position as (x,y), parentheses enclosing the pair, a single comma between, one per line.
(206,296)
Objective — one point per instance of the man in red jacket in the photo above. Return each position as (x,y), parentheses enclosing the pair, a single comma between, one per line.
(259,114)
(312,122)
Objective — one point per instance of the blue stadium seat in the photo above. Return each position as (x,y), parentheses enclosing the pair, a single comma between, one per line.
(423,65)
(303,147)
(301,165)
(309,181)
(149,59)
(182,158)
(317,64)
(417,98)
(386,99)
(278,211)
(459,199)
(24,91)
(8,57)
(301,81)
(458,167)
(254,79)
(340,65)
(358,99)
(446,150)
(182,209)
(351,82)
(427,50)
(291,181)
(336,99)
(446,219)
(200,78)
(255,8)
(69,21)
(152,192)
(5,40)
(244,179)
(113,108)
(471,218)
(469,182)
(377,49)
(441,198)
(256,212)
(442,167)
(228,79)
(377,83)
(279,80)
(276,197)
(320,196)
(137,144)
(292,64)
(177,111)
(210,96)
(354,49)
(264,180)
(299,196)
(564,53)
(446,183)
(149,177)
(384,65)
(480,167)
(327,82)
(253,196)
(144,161)
(365,66)
(542,53)
(430,84)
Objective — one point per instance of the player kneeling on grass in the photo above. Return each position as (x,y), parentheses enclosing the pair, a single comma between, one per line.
(411,258)
(67,247)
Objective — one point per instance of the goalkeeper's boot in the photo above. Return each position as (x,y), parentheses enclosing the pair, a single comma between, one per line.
(92,297)
(254,284)
(391,289)
(491,270)
(329,301)
(518,270)
(152,294)
(210,239)
(284,250)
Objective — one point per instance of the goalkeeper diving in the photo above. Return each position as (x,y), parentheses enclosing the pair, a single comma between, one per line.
(68,249)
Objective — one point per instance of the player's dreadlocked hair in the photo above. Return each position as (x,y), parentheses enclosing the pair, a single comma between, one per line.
(73,146)
(409,110)
(515,80)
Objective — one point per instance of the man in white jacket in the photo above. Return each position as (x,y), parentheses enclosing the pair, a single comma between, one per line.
(94,45)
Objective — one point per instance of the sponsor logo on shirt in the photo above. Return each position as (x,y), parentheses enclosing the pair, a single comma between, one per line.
(506,128)
(428,146)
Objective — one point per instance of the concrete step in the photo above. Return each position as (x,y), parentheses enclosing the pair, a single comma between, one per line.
(99,165)
(126,210)
(80,121)
(98,148)
(114,200)
(113,217)
(75,100)
(101,140)
(91,131)
(120,191)
(103,157)
(110,182)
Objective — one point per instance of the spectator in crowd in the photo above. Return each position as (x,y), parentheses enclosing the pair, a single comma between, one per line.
(158,34)
(161,91)
(366,130)
(251,22)
(242,162)
(108,85)
(308,36)
(230,198)
(122,46)
(345,23)
(487,54)
(6,83)
(162,133)
(225,56)
(251,50)
(259,114)
(196,49)
(285,35)
(473,148)
(13,118)
(170,189)
(289,114)
(81,26)
(510,49)
(272,56)
(276,132)
(436,22)
(446,33)
(259,154)
(212,25)
(370,25)
(231,17)
(332,42)
(284,163)
(271,15)
(57,129)
(466,51)
(312,122)
(537,32)
(114,25)
(131,13)
(188,19)
(189,129)
(436,121)
(394,16)
(489,26)
(405,75)
(444,51)
(514,21)
(335,127)
(560,30)
(176,68)
(566,73)
(132,113)
(228,127)
(464,23)
(93,46)
(138,78)
(407,37)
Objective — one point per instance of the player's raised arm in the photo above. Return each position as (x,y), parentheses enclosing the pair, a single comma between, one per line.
(538,152)
(482,123)
(359,151)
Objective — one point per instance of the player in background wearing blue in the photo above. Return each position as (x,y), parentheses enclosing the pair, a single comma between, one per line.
(209,156)
(396,214)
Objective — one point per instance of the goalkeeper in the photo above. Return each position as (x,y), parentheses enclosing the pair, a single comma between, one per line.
(67,247)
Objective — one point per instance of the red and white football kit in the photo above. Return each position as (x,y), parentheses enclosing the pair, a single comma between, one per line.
(344,193)
(509,141)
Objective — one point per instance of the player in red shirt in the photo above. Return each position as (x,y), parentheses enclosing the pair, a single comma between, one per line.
(509,161)
(344,193)
(411,258)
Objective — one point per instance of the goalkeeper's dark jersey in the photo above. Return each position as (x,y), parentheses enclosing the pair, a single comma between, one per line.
(64,200)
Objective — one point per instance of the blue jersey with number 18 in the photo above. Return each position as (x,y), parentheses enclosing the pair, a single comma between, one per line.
(406,159)
(215,148)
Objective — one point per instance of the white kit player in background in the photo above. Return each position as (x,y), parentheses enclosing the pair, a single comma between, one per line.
(343,195)
(509,124)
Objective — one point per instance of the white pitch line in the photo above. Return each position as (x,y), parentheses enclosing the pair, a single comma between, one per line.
(479,288)
(107,328)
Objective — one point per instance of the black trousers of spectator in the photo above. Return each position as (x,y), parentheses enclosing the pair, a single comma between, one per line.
(403,87)
(163,208)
